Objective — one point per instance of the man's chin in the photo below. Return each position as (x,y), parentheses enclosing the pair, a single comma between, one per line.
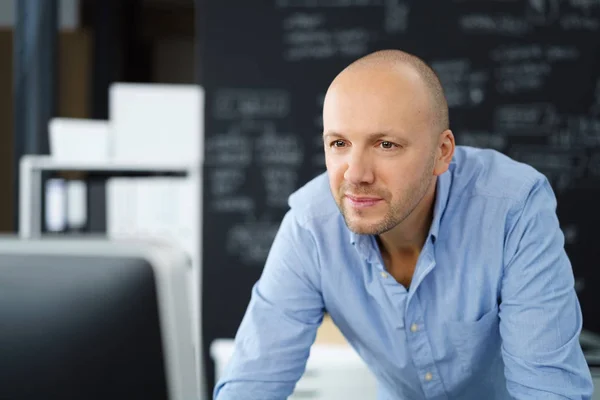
(364,231)
(363,227)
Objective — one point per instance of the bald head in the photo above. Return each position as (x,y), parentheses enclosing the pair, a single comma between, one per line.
(407,66)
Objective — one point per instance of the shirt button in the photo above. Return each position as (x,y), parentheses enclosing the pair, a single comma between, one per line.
(384,275)
(428,376)
(414,328)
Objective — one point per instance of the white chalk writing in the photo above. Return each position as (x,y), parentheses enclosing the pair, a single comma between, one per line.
(579,22)
(225,181)
(327,3)
(251,103)
(521,77)
(513,53)
(241,204)
(322,44)
(462,86)
(396,16)
(279,148)
(542,12)
(562,53)
(528,119)
(501,24)
(229,149)
(251,242)
(280,182)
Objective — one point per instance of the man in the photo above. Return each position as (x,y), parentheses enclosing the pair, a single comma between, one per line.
(442,265)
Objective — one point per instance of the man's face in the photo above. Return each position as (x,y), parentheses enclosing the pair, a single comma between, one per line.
(379,148)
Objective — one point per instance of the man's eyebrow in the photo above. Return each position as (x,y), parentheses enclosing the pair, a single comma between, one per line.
(373,136)
(331,134)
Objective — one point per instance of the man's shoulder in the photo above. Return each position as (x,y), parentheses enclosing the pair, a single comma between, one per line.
(313,200)
(488,172)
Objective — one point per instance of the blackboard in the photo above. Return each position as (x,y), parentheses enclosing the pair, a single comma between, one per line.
(521,76)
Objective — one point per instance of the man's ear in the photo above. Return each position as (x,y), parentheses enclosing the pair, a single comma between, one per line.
(445,152)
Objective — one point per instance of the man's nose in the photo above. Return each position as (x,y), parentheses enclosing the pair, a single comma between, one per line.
(359,169)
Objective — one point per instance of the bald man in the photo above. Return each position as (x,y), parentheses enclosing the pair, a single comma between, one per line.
(442,265)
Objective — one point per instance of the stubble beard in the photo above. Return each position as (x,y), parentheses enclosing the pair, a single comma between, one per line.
(397,212)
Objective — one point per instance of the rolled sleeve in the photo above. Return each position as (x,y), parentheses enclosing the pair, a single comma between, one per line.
(286,307)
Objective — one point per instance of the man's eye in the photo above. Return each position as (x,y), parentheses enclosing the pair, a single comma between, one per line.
(338,143)
(387,145)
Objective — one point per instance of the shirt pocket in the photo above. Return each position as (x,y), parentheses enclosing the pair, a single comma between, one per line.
(476,342)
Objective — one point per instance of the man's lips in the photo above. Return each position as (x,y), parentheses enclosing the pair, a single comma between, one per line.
(362,201)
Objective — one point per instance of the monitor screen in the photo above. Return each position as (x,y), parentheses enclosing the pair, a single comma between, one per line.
(79,327)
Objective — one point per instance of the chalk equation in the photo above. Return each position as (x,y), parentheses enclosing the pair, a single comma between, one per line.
(587,7)
(494,24)
(280,183)
(279,148)
(327,3)
(230,148)
(462,86)
(233,204)
(568,131)
(521,77)
(396,16)
(568,15)
(516,53)
(251,242)
(225,181)
(586,127)
(542,12)
(249,150)
(534,52)
(575,22)
(526,119)
(561,53)
(322,44)
(303,21)
(527,67)
(577,131)
(306,36)
(232,103)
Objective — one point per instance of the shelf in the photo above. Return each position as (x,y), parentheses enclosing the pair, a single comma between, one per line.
(95,169)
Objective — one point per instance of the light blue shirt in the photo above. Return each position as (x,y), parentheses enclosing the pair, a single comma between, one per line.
(492,297)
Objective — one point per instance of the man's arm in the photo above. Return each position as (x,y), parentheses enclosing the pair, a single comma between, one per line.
(540,315)
(280,324)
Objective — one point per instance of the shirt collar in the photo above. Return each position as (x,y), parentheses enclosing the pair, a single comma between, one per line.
(441,200)
(443,184)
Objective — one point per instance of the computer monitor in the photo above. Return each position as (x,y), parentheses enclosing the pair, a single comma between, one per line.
(95,319)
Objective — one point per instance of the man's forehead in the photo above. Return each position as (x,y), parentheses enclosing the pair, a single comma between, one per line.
(398,73)
(380,88)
